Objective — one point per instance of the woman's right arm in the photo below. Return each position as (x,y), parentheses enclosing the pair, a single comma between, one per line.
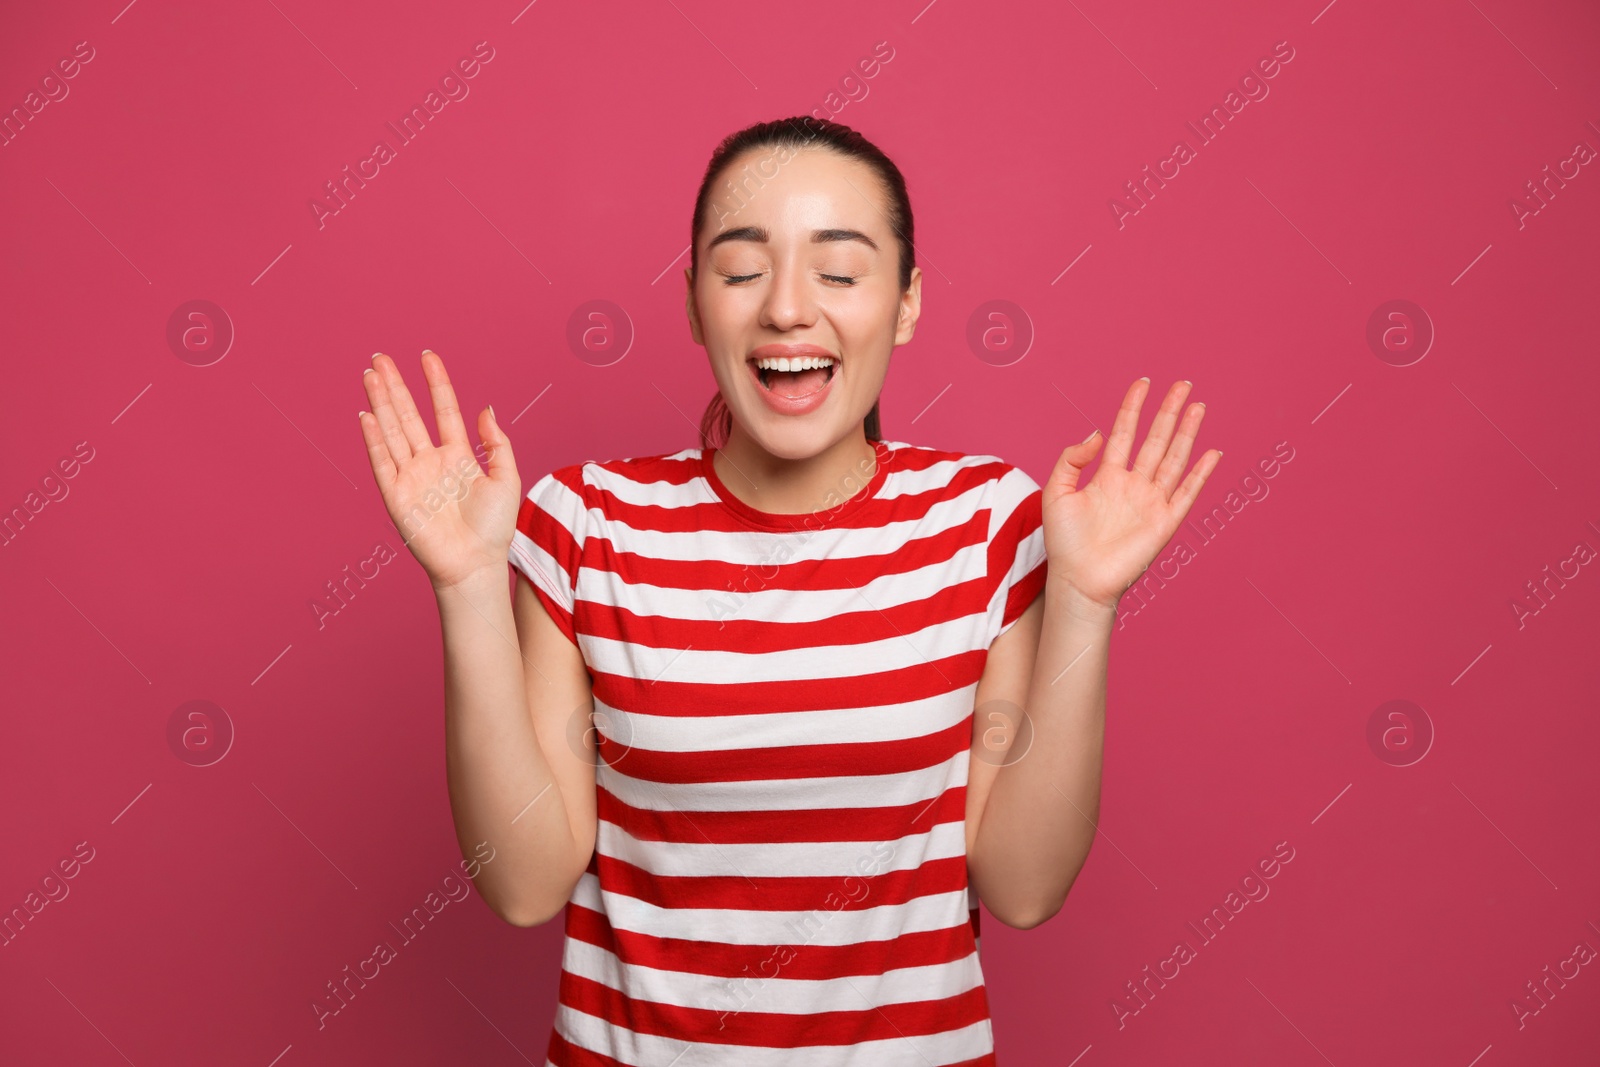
(519,755)
(518,750)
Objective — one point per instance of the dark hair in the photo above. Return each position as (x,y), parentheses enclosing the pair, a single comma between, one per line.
(795,133)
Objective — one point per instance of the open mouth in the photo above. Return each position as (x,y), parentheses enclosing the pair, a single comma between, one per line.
(795,383)
(802,377)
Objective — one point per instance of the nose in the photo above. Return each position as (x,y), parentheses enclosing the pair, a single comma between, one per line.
(788,302)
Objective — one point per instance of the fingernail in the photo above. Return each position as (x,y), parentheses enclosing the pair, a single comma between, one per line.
(491,413)
(1146,378)
(1187,382)
(368,371)
(359,414)
(429,352)
(1086,440)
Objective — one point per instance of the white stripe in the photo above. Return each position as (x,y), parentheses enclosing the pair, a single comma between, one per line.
(845,726)
(1007,491)
(819,925)
(784,859)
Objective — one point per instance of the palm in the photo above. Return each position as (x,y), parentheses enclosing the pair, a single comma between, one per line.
(1100,537)
(456,520)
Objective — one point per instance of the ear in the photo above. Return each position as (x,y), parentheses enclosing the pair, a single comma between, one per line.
(688,303)
(910,308)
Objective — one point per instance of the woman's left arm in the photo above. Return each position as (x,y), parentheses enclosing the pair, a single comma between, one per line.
(1032,814)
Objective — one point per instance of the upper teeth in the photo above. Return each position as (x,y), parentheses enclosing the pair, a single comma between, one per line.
(797,363)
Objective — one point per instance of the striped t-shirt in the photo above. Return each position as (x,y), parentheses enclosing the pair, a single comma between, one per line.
(784,710)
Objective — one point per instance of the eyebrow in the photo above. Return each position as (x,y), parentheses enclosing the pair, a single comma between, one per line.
(761,236)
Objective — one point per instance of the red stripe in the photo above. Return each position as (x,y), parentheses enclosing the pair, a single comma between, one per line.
(664,696)
(1022,594)
(733,633)
(1024,519)
(821,894)
(564,1053)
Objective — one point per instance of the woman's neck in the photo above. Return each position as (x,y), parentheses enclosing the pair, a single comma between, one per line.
(795,486)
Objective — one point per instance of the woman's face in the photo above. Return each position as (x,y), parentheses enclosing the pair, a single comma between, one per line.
(802,255)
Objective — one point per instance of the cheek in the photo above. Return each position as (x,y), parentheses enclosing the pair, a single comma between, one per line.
(728,319)
(727,300)
(864,320)
(720,308)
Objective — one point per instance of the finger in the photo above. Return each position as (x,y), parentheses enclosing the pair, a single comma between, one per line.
(383,411)
(1177,457)
(446,413)
(1185,496)
(1119,446)
(405,409)
(383,468)
(502,466)
(1160,435)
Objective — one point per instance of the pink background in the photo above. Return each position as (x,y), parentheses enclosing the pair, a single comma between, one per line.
(1382,563)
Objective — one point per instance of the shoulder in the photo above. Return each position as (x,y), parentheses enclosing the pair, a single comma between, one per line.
(1000,480)
(927,464)
(599,485)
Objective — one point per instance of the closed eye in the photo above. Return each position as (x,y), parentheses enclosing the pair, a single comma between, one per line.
(734,279)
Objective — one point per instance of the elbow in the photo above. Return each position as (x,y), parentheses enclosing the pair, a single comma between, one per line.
(1043,909)
(526,919)
(1025,903)
(1028,919)
(1024,910)
(1025,915)
(523,913)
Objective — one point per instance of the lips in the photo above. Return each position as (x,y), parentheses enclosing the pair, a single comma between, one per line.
(789,351)
(782,403)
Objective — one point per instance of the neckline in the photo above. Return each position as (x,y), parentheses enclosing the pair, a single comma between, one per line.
(817,520)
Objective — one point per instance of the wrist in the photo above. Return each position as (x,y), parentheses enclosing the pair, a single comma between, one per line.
(1079,604)
(488,577)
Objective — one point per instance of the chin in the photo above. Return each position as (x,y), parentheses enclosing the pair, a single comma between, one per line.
(791,438)
(790,441)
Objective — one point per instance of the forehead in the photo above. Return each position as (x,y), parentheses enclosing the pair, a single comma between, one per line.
(791,192)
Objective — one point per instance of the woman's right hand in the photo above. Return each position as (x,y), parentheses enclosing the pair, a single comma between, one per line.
(455,519)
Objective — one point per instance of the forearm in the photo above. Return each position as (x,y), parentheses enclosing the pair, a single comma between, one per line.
(1040,817)
(502,789)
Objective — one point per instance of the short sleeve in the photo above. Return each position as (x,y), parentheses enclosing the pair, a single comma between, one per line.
(548,542)
(1017,565)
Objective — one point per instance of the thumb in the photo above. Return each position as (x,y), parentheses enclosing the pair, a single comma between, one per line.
(1073,459)
(502,465)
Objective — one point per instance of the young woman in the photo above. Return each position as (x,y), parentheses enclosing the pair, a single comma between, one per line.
(770,716)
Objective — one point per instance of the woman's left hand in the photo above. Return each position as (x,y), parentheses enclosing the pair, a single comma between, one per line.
(1100,537)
